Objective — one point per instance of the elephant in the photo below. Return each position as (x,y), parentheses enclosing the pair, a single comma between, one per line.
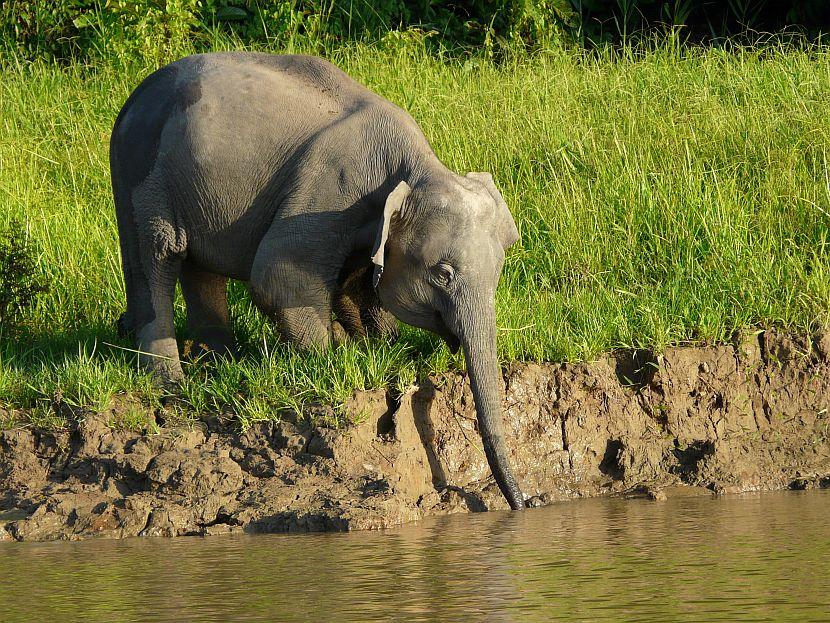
(284,172)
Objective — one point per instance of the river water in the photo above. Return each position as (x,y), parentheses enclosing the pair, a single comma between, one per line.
(759,557)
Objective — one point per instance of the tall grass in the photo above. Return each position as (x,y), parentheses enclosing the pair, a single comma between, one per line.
(662,195)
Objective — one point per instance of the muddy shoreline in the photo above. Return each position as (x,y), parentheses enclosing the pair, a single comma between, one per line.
(747,416)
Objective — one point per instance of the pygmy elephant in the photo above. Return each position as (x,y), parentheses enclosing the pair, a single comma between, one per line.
(282,171)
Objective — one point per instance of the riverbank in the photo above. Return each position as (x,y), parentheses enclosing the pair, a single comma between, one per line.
(747,416)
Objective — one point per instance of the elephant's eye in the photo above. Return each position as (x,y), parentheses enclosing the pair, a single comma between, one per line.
(443,274)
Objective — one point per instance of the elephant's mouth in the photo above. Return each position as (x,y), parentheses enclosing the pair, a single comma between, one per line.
(453,343)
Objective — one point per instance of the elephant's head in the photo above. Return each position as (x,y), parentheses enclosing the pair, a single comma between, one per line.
(438,257)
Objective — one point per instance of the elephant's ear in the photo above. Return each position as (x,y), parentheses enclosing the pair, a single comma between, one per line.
(394,202)
(508,234)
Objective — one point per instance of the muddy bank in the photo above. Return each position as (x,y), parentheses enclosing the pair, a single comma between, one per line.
(729,418)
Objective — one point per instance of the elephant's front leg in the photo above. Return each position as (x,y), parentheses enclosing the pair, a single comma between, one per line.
(295,291)
(382,323)
(358,307)
(303,318)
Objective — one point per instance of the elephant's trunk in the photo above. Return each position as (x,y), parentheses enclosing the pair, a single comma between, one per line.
(478,339)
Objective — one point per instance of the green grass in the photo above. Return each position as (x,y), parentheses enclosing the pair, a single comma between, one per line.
(662,196)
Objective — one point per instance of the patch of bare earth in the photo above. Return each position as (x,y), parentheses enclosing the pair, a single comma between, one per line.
(730,418)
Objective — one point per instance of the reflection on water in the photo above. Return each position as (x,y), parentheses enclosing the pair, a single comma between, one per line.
(743,558)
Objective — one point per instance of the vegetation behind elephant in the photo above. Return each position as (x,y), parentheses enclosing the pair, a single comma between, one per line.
(282,171)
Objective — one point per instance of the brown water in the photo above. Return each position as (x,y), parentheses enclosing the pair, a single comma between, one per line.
(742,558)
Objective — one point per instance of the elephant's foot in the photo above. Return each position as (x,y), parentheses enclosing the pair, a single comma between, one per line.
(160,356)
(212,342)
(166,372)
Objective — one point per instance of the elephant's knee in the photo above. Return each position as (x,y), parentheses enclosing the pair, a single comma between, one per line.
(304,327)
(297,299)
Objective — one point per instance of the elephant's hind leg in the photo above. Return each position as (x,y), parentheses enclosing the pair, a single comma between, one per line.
(162,246)
(139,308)
(206,296)
(158,351)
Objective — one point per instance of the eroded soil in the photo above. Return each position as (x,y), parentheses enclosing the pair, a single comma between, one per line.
(719,419)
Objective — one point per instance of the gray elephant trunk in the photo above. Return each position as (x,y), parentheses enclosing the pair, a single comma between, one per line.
(478,339)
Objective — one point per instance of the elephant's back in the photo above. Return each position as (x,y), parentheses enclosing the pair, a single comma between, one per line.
(239,98)
(218,136)
(238,115)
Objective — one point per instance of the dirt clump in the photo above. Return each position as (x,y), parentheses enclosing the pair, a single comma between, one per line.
(747,416)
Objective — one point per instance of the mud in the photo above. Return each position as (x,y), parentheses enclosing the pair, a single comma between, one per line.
(693,420)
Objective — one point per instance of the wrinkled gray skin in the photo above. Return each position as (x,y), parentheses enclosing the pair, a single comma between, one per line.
(281,171)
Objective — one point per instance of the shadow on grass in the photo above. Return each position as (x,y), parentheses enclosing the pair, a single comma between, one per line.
(37,344)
